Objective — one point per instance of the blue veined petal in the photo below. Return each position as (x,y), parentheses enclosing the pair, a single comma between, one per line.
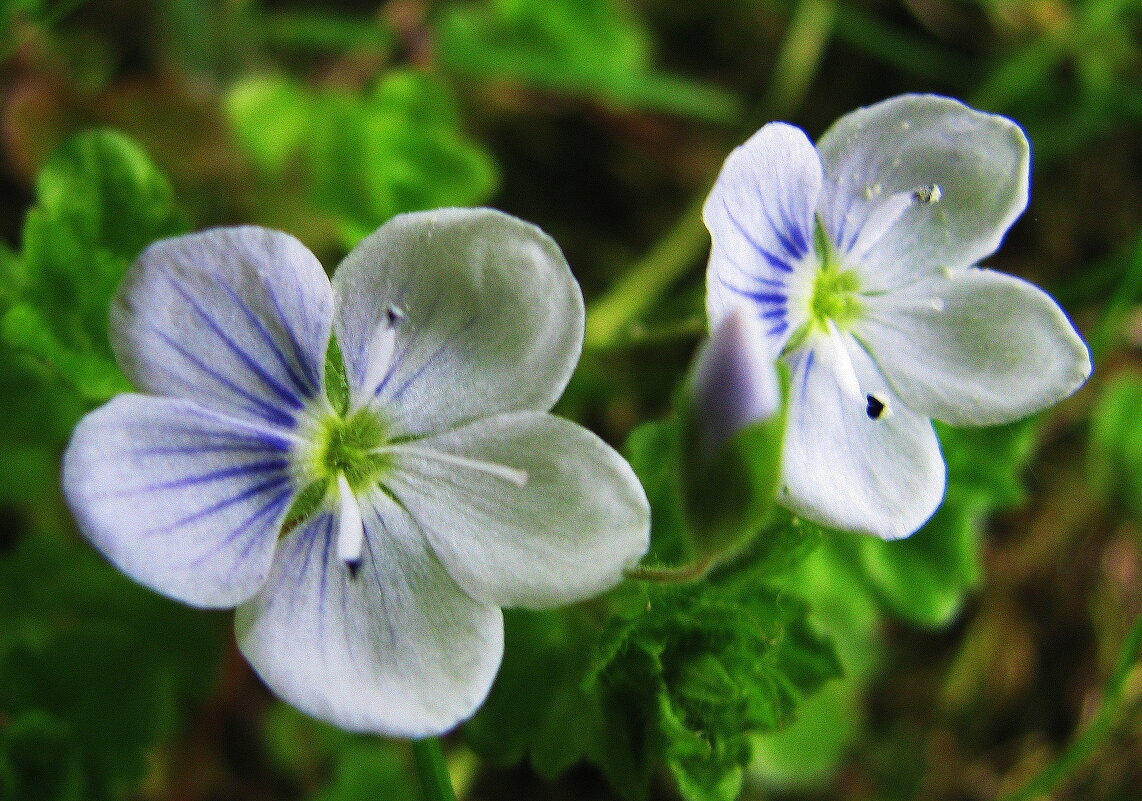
(524,509)
(968,171)
(485,314)
(974,347)
(390,646)
(185,501)
(856,458)
(237,319)
(761,215)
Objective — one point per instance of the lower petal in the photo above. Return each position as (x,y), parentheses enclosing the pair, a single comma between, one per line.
(867,464)
(525,509)
(975,347)
(185,501)
(391,645)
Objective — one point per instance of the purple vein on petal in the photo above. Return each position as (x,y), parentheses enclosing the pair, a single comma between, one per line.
(307,389)
(252,492)
(288,397)
(312,372)
(266,411)
(268,510)
(251,469)
(774,261)
(435,355)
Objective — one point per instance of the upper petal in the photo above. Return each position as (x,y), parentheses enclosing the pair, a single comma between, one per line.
(237,319)
(846,468)
(561,526)
(484,312)
(183,500)
(760,214)
(974,347)
(903,147)
(394,647)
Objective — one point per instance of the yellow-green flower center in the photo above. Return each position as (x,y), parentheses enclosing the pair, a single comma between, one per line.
(836,289)
(349,445)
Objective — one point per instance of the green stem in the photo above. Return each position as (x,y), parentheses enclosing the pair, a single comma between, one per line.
(799,58)
(1083,746)
(435,783)
(610,316)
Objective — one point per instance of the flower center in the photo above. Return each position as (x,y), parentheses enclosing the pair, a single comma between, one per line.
(349,446)
(835,294)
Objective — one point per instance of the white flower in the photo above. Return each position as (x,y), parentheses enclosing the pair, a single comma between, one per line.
(441,493)
(859,258)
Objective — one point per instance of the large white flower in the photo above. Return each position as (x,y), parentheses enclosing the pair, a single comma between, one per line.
(370,547)
(859,258)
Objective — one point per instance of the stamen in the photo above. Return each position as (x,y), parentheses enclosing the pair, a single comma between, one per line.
(511,475)
(842,365)
(929,195)
(351,529)
(379,356)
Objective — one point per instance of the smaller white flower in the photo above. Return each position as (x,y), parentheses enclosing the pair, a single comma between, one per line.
(858,257)
(368,549)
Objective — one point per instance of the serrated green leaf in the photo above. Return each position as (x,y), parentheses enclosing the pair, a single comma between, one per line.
(99,202)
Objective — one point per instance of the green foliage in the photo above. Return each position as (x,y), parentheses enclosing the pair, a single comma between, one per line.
(594,48)
(351,767)
(99,202)
(362,156)
(923,579)
(1116,441)
(682,677)
(708,665)
(96,671)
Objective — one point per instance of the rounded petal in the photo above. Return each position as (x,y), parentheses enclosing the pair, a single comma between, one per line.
(525,509)
(237,319)
(391,646)
(974,347)
(485,314)
(966,173)
(183,500)
(761,215)
(846,467)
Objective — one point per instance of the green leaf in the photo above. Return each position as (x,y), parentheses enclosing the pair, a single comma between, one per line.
(109,665)
(654,450)
(99,202)
(403,139)
(1116,441)
(708,665)
(595,48)
(923,579)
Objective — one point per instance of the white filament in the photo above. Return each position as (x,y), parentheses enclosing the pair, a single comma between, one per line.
(509,474)
(351,530)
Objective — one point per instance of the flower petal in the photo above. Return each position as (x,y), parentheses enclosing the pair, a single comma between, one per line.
(486,315)
(185,501)
(761,215)
(967,171)
(867,464)
(392,646)
(237,319)
(525,509)
(974,347)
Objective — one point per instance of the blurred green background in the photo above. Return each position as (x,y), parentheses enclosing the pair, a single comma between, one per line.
(972,655)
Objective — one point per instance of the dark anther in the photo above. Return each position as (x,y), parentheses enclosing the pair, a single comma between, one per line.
(394,315)
(875,407)
(354,566)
